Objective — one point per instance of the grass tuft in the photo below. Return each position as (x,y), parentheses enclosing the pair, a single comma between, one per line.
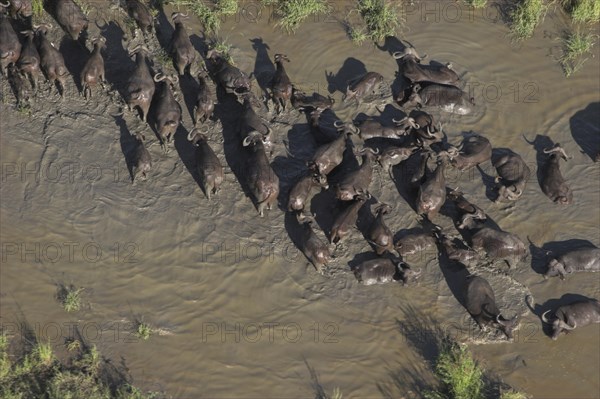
(460,375)
(477,3)
(223,48)
(381,19)
(526,17)
(70,298)
(39,375)
(513,395)
(576,45)
(293,12)
(582,11)
(143,331)
(227,7)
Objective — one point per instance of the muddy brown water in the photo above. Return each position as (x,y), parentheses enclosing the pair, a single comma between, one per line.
(236,311)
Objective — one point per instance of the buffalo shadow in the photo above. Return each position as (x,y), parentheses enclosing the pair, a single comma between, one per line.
(553,249)
(189,89)
(118,64)
(75,55)
(128,143)
(264,69)
(187,153)
(585,129)
(349,71)
(552,305)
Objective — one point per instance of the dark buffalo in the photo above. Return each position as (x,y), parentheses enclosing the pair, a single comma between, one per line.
(552,181)
(301,101)
(140,85)
(260,177)
(301,192)
(205,104)
(230,78)
(330,155)
(579,260)
(379,234)
(313,248)
(480,302)
(371,128)
(281,86)
(357,182)
(51,60)
(181,47)
(569,317)
(474,149)
(93,70)
(363,86)
(71,18)
(29,61)
(209,167)
(412,69)
(448,98)
(142,162)
(513,174)
(467,210)
(168,110)
(346,220)
(10,46)
(383,270)
(141,15)
(413,243)
(432,193)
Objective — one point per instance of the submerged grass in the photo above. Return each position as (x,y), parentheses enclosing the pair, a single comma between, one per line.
(70,297)
(39,374)
(526,17)
(381,19)
(575,47)
(37,7)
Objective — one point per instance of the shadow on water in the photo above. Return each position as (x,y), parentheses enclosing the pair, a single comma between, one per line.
(75,56)
(552,305)
(585,129)
(116,58)
(187,154)
(351,69)
(200,44)
(189,89)
(128,143)
(263,67)
(553,249)
(164,29)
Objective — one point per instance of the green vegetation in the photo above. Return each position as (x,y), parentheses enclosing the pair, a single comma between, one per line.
(526,17)
(582,11)
(513,395)
(210,16)
(462,378)
(381,19)
(143,331)
(576,45)
(460,375)
(293,12)
(70,297)
(39,375)
(477,3)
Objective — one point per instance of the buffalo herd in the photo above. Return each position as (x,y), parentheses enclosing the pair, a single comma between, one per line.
(26,54)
